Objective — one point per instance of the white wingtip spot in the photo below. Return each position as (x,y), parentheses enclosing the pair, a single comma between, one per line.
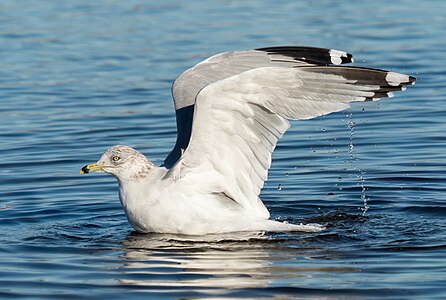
(336,56)
(395,79)
(336,60)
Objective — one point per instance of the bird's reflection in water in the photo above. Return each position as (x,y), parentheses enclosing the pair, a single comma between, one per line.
(213,264)
(213,261)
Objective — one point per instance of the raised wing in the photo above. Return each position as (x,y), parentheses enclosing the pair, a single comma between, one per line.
(187,86)
(238,120)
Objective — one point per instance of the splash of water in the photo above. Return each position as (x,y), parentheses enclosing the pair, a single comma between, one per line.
(353,159)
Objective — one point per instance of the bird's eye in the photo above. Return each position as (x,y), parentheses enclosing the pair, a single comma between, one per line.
(116,158)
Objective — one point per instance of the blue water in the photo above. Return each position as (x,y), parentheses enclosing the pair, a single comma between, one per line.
(79,76)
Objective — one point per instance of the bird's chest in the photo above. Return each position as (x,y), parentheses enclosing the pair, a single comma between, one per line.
(138,204)
(149,209)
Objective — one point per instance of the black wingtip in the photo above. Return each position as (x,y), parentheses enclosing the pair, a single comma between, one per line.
(347,59)
(311,55)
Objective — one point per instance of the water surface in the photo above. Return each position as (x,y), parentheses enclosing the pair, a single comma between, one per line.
(78,77)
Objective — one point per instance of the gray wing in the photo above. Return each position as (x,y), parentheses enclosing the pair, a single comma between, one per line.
(187,86)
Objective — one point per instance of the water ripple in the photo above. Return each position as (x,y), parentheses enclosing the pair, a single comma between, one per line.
(78,77)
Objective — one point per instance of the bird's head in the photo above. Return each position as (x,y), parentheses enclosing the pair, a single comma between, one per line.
(123,162)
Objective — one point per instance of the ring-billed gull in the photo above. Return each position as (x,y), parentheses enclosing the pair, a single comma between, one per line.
(231,109)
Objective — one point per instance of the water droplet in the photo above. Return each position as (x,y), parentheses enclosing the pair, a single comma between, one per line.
(359,173)
(279,187)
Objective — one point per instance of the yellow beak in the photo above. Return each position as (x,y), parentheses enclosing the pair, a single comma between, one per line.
(90,168)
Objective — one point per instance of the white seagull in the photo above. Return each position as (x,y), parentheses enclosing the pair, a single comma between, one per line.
(231,109)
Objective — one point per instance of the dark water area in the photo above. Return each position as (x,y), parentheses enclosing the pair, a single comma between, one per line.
(77,77)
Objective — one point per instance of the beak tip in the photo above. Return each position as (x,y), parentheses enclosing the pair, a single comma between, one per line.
(84,170)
